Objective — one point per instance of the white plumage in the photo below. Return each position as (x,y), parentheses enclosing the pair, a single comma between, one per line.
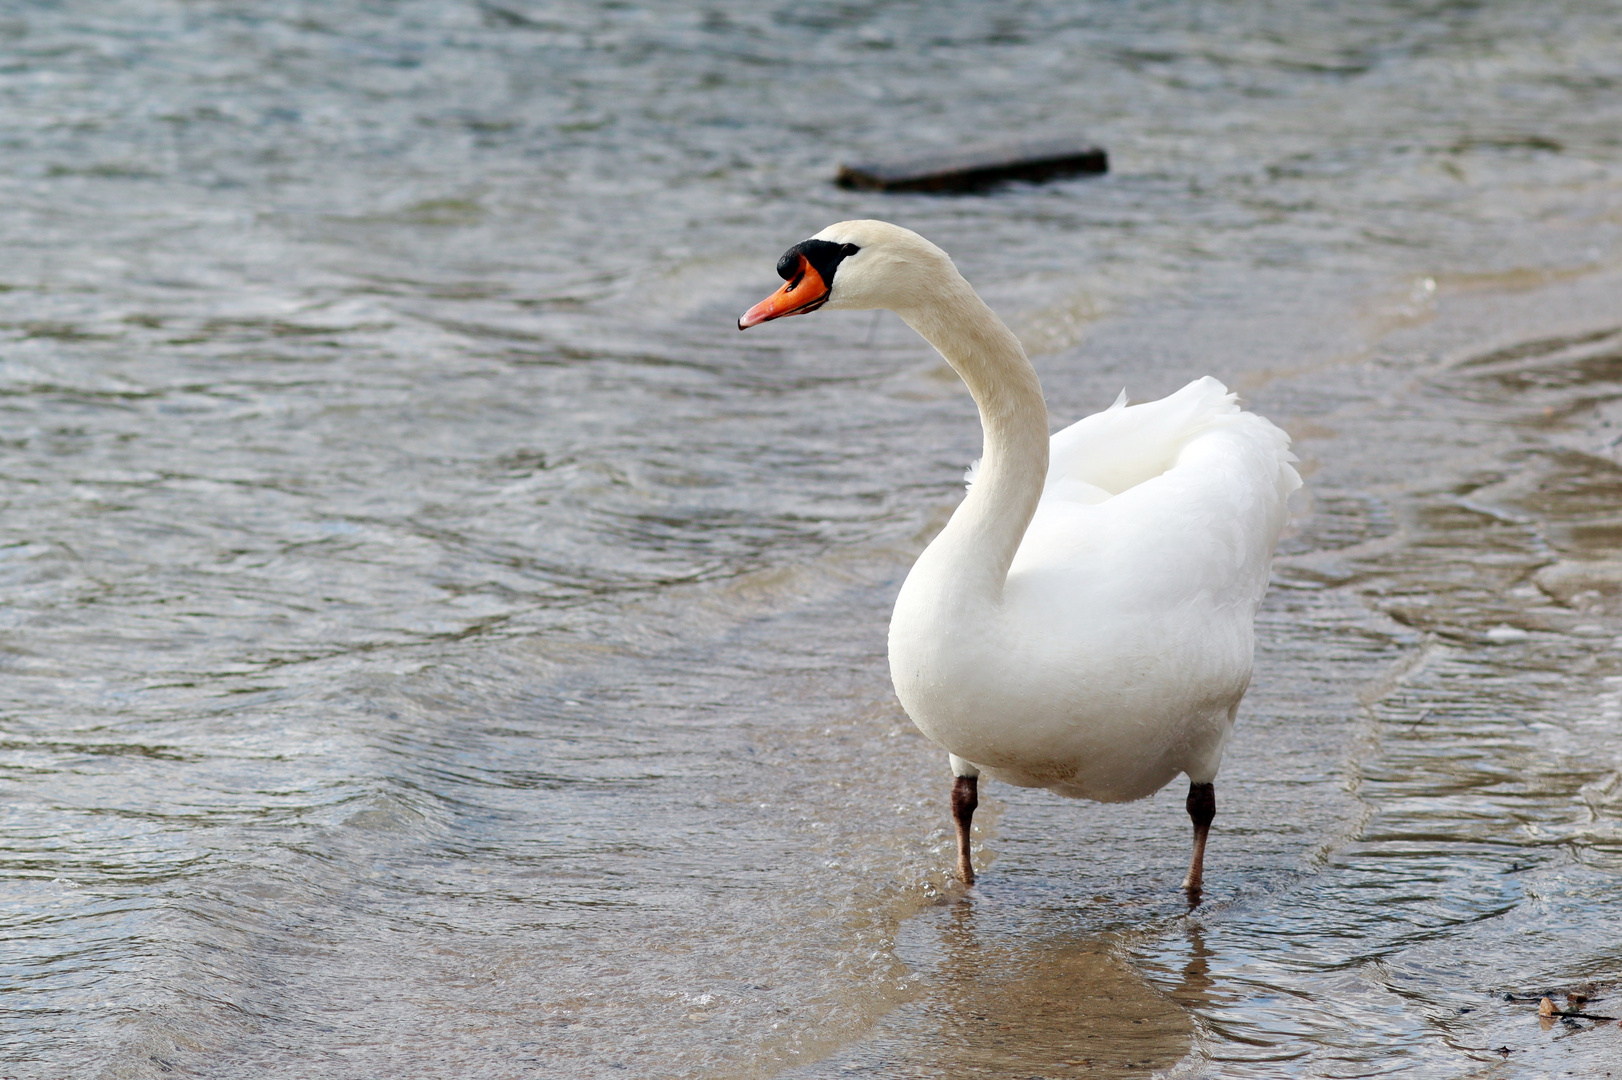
(1084,622)
(1123,639)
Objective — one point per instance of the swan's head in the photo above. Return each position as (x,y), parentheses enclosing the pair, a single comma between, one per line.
(855,265)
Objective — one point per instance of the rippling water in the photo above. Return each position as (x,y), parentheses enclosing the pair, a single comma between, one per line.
(437,644)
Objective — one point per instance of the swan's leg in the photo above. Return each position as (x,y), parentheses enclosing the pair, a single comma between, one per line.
(965,797)
(1201,809)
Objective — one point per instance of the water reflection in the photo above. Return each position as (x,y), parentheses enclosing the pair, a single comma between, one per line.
(1005,991)
(1193,989)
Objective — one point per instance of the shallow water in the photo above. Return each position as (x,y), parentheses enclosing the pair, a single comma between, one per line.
(438,644)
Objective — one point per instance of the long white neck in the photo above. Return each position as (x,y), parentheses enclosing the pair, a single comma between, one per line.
(979,542)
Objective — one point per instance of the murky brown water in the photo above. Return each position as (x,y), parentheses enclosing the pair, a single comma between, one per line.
(436,644)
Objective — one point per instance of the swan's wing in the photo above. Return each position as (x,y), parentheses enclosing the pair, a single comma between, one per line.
(1108,452)
(1126,445)
(1157,505)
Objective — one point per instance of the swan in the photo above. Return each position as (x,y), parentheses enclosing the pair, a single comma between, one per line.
(1085,622)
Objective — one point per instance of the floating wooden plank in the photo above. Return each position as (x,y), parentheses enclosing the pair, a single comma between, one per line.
(975,168)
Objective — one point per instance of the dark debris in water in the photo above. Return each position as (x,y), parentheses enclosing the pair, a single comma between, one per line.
(1550,1011)
(1576,1000)
(976,168)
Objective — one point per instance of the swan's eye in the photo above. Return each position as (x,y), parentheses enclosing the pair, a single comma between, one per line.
(848,250)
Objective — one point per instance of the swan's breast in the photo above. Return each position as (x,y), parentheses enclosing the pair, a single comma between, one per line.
(1065,688)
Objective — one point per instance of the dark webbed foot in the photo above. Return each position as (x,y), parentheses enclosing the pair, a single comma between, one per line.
(1201,809)
(965,797)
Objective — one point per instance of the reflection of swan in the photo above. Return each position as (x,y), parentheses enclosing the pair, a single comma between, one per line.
(1015,993)
(1083,623)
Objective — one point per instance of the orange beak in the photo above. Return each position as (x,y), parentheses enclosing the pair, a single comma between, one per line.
(804,292)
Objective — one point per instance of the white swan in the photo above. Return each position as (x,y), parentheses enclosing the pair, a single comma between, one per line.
(1085,621)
